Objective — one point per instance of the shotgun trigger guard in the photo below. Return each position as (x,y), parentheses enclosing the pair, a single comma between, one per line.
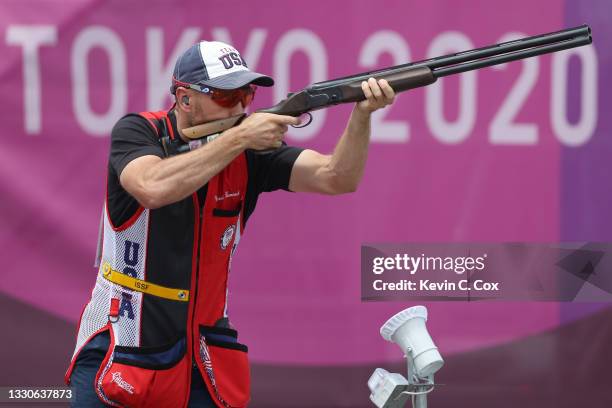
(305,124)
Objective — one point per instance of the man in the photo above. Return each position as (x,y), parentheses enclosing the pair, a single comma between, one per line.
(156,332)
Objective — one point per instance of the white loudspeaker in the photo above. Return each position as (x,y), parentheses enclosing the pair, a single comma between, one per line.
(407,329)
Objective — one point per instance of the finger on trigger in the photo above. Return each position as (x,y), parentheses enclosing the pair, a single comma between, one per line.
(290,120)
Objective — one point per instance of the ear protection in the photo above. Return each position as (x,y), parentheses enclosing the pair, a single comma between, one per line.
(185,100)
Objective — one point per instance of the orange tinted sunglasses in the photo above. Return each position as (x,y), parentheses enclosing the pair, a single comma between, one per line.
(227,98)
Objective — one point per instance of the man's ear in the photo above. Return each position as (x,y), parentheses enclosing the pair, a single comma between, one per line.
(182,99)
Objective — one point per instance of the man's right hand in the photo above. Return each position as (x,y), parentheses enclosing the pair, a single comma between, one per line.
(264,131)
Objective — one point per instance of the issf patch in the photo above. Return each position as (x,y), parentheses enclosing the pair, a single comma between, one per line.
(227,235)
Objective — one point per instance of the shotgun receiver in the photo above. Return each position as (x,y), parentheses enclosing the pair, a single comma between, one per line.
(400,77)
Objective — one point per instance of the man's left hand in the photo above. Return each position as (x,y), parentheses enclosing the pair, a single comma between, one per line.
(378,95)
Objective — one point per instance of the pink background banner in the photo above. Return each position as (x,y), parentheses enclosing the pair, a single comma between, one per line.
(475,157)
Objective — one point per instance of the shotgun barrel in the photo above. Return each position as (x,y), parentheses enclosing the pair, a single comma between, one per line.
(485,56)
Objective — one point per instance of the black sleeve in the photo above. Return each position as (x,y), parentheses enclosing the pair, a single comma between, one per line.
(131,137)
(268,172)
(272,170)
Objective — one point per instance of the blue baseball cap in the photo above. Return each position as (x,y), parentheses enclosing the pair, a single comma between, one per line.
(217,65)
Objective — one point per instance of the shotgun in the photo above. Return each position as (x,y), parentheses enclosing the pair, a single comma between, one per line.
(401,78)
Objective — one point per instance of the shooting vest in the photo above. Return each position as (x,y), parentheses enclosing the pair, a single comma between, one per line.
(160,290)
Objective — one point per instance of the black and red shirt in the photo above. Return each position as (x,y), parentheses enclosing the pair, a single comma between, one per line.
(133,137)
